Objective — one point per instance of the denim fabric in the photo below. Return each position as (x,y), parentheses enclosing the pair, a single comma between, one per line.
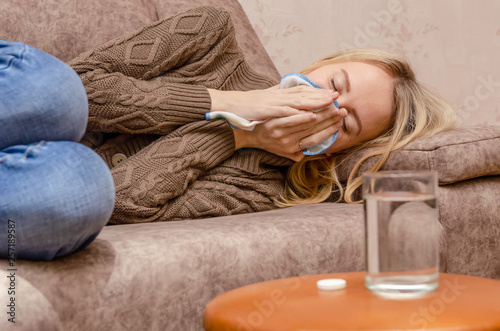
(41,98)
(55,194)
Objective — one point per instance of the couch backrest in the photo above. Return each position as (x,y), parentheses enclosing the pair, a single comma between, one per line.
(66,28)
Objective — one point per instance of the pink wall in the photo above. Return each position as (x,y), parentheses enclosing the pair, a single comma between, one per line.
(453,45)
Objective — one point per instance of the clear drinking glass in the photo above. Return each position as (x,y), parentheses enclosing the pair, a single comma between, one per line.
(402,233)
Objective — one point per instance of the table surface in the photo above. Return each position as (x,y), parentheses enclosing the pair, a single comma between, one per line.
(460,303)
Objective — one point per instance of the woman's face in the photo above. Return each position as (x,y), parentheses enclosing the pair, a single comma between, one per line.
(366,92)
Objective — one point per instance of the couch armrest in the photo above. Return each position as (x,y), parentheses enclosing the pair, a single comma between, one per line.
(457,155)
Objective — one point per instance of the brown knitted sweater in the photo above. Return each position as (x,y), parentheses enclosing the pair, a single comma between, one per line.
(148,98)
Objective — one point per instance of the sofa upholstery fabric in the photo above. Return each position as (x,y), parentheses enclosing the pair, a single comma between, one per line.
(67,28)
(160,276)
(459,154)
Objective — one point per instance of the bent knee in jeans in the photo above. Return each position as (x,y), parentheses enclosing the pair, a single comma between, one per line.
(58,197)
(41,97)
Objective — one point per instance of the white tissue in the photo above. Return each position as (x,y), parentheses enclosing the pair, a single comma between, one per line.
(295,79)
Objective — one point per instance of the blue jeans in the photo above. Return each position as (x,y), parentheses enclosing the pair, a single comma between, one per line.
(55,194)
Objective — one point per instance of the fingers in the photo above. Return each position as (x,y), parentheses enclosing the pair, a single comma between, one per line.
(281,135)
(324,119)
(272,102)
(321,136)
(325,128)
(305,120)
(297,98)
(287,132)
(281,129)
(312,100)
(302,118)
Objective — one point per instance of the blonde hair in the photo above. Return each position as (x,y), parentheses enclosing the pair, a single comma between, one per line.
(417,113)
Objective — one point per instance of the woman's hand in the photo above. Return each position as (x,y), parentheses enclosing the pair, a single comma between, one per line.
(281,136)
(272,102)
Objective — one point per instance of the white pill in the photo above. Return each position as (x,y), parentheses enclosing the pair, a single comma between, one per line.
(331,284)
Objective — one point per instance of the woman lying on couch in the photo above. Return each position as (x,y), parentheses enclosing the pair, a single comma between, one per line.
(150,95)
(156,86)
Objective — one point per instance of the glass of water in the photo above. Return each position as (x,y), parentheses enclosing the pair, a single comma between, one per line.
(402,233)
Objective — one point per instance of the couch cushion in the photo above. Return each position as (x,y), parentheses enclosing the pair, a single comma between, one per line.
(457,155)
(33,312)
(160,276)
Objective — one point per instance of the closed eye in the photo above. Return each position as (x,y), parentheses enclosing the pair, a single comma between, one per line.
(344,125)
(333,84)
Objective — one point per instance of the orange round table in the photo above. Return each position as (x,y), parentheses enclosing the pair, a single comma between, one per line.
(460,303)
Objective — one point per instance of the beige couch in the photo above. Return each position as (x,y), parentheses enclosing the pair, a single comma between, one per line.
(160,276)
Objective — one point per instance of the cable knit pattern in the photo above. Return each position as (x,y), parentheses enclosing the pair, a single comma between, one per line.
(138,83)
(192,173)
(149,90)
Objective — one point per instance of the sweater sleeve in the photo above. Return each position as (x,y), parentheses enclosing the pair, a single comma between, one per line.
(203,199)
(156,79)
(152,179)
